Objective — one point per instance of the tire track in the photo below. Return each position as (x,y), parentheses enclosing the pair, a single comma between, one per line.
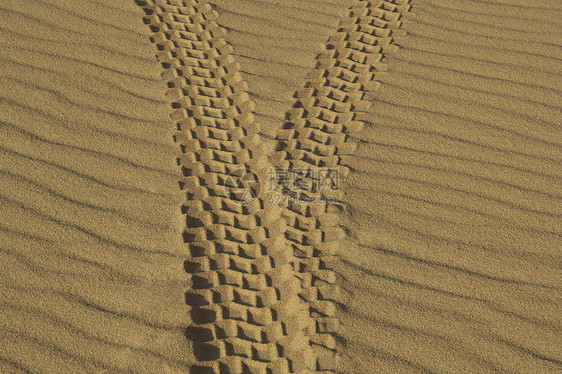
(313,142)
(246,315)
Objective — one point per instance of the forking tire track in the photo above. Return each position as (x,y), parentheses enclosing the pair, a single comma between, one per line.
(312,143)
(246,316)
(252,265)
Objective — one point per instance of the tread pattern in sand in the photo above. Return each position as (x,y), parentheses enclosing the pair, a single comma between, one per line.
(246,315)
(313,143)
(246,312)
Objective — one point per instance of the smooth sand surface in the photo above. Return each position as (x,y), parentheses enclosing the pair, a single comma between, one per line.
(448,234)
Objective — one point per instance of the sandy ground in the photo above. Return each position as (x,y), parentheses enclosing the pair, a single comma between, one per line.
(445,245)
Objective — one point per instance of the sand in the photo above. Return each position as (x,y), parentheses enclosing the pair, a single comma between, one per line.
(131,241)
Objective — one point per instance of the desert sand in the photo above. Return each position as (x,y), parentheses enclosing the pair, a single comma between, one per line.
(141,229)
